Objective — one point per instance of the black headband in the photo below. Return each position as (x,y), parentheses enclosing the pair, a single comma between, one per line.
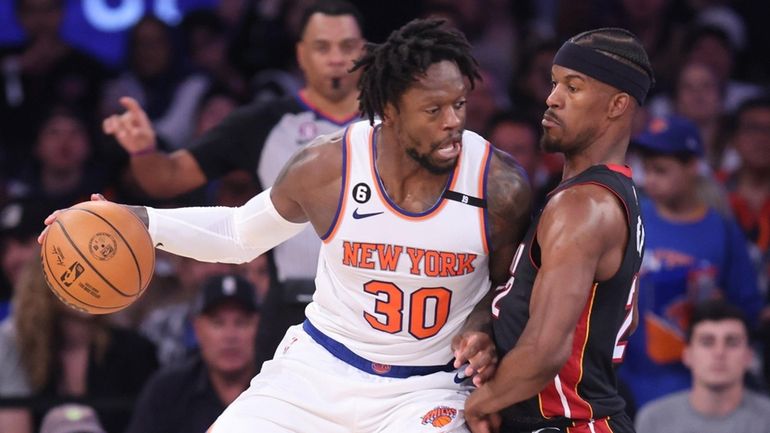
(604,68)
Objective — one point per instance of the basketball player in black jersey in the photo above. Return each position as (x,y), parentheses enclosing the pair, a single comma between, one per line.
(562,319)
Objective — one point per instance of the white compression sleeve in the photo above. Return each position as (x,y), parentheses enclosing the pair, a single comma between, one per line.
(221,234)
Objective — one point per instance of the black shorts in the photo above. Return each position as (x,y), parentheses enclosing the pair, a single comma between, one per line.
(619,423)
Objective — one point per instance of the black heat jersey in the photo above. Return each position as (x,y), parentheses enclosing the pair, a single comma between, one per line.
(585,388)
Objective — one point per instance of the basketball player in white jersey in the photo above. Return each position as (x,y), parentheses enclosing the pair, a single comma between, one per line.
(417,218)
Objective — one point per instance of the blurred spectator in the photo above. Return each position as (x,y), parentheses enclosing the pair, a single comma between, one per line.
(257,272)
(206,41)
(718,355)
(189,396)
(749,184)
(62,172)
(236,188)
(698,96)
(710,45)
(653,22)
(71,418)
(215,105)
(749,192)
(692,253)
(520,137)
(156,80)
(489,27)
(51,353)
(41,69)
(483,102)
(720,14)
(263,48)
(20,224)
(532,82)
(163,315)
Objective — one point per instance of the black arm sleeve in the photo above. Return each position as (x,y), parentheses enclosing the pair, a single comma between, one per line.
(237,142)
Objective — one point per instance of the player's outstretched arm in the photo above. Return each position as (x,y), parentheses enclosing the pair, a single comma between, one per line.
(159,174)
(579,238)
(305,191)
(509,208)
(240,234)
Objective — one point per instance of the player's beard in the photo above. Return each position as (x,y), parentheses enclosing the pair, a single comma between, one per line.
(426,162)
(558,145)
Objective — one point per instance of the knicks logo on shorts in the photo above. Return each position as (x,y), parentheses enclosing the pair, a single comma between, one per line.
(380,368)
(439,416)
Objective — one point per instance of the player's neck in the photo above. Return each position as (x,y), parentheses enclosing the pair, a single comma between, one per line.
(408,184)
(338,110)
(607,148)
(716,403)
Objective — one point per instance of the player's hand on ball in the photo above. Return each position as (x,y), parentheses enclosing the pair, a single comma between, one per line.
(475,352)
(51,218)
(97,256)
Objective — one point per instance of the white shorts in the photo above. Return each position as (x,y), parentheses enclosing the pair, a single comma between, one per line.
(306,389)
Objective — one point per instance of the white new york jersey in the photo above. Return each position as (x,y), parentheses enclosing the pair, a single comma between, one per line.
(393,286)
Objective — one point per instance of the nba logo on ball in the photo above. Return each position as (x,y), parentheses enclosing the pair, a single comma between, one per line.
(71,274)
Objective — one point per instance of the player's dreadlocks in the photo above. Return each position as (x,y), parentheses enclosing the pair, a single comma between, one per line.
(390,68)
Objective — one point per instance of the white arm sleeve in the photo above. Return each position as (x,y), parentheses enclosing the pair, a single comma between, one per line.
(221,234)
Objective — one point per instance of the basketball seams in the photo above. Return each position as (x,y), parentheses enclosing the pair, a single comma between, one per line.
(76,248)
(44,260)
(128,245)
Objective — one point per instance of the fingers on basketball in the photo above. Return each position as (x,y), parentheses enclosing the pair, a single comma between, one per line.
(97,257)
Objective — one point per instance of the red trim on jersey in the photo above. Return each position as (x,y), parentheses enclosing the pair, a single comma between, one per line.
(622,169)
(606,424)
(532,244)
(566,401)
(482,177)
(615,193)
(590,182)
(599,426)
(345,188)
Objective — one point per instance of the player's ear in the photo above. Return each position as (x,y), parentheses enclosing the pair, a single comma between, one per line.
(389,113)
(619,103)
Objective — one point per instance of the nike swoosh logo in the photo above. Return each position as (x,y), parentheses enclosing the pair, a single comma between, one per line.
(358,216)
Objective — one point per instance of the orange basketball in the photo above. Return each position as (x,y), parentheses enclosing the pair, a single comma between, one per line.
(98,257)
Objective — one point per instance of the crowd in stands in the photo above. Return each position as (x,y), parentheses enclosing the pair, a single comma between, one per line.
(700,155)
